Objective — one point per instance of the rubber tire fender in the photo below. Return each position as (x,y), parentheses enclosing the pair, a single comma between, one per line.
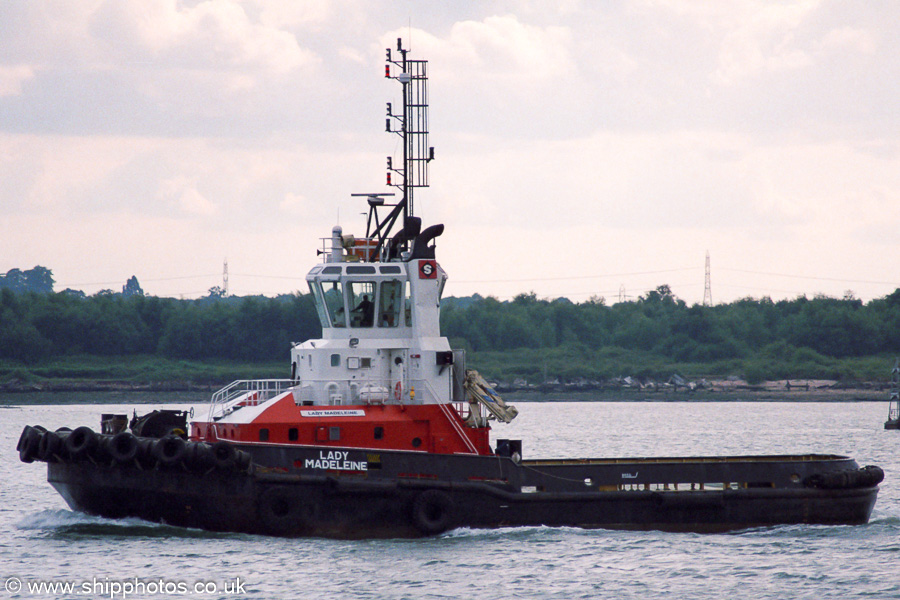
(224,454)
(146,454)
(200,457)
(843,480)
(22,437)
(243,460)
(279,511)
(81,442)
(170,450)
(29,444)
(123,447)
(51,445)
(433,512)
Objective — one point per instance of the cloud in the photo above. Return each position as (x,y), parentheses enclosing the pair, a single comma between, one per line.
(655,129)
(500,48)
(764,42)
(290,14)
(294,204)
(12,78)
(852,39)
(209,33)
(194,203)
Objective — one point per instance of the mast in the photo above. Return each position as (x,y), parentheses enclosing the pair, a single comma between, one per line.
(411,124)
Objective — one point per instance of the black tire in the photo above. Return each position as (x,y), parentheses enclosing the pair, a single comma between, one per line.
(29,444)
(81,442)
(170,450)
(243,460)
(50,446)
(871,475)
(844,480)
(281,512)
(146,454)
(200,457)
(22,437)
(433,512)
(123,447)
(224,454)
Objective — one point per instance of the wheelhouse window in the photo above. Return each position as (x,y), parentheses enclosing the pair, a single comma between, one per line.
(362,299)
(389,303)
(320,304)
(333,297)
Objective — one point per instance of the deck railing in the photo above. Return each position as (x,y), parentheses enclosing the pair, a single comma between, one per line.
(254,391)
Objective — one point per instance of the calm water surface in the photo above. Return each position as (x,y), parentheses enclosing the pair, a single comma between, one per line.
(41,540)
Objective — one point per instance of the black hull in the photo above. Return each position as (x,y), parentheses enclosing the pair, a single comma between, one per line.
(405,494)
(331,508)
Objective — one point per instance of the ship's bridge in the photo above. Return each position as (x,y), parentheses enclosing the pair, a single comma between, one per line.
(381,339)
(378,300)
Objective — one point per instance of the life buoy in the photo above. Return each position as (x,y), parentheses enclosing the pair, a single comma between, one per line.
(398,390)
(80,442)
(432,512)
(123,447)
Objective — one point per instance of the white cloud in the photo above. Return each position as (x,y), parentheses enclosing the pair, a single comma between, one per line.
(194,203)
(214,32)
(12,78)
(501,49)
(288,14)
(762,131)
(294,204)
(850,38)
(763,41)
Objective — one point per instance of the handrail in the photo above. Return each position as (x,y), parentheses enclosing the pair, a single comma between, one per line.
(264,389)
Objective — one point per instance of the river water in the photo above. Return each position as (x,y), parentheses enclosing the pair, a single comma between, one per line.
(43,543)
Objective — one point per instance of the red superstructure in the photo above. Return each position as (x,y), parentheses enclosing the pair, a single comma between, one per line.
(435,428)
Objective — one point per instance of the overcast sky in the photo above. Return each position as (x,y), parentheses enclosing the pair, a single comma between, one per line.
(582,147)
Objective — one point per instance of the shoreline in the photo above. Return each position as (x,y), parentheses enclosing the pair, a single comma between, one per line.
(850,395)
(734,392)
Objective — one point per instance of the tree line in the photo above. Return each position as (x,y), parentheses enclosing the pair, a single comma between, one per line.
(35,326)
(653,336)
(658,334)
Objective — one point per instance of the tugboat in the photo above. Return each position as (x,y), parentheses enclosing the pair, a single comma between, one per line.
(893,421)
(382,431)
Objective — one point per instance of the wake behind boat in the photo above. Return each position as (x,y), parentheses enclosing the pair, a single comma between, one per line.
(382,431)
